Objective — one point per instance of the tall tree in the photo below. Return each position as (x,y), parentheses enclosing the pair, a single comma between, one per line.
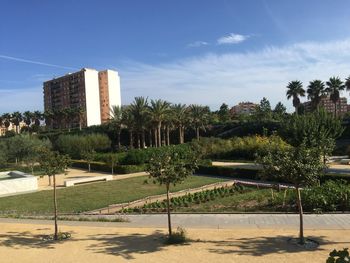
(180,115)
(334,87)
(116,118)
(224,113)
(6,120)
(129,121)
(158,111)
(263,110)
(315,92)
(280,111)
(347,83)
(52,164)
(48,116)
(198,116)
(139,110)
(295,91)
(16,119)
(27,118)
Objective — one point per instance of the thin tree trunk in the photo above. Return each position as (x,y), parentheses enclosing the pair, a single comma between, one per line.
(80,125)
(150,138)
(55,207)
(112,168)
(119,145)
(159,134)
(197,133)
(131,143)
(183,134)
(89,165)
(180,135)
(168,209)
(335,109)
(138,141)
(167,135)
(155,137)
(300,208)
(143,139)
(49,180)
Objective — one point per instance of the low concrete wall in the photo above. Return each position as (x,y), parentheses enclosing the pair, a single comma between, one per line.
(19,183)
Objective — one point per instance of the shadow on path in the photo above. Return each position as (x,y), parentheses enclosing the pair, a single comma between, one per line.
(127,245)
(265,245)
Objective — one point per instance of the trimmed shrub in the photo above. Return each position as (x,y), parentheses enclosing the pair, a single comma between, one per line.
(103,167)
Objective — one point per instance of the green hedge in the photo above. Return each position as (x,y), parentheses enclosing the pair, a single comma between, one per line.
(102,167)
(242,173)
(253,174)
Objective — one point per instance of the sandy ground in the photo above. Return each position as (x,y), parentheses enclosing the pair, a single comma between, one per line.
(43,182)
(23,243)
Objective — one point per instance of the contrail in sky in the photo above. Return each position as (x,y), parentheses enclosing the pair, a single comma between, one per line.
(35,62)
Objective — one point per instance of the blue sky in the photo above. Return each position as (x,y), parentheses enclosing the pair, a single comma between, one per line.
(193,51)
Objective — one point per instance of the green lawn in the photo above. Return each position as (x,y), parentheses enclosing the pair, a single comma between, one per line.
(92,196)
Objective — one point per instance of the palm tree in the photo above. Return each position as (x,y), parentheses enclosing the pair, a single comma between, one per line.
(116,118)
(139,110)
(295,90)
(49,117)
(158,111)
(16,119)
(80,114)
(347,83)
(37,116)
(334,87)
(199,116)
(180,115)
(27,117)
(129,122)
(6,120)
(316,91)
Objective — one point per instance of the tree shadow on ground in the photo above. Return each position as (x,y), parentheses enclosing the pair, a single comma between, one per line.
(127,245)
(26,239)
(265,245)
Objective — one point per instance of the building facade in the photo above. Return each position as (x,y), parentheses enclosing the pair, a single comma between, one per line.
(92,91)
(245,108)
(328,105)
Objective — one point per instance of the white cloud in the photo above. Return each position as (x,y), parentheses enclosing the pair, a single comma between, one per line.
(212,79)
(232,39)
(198,44)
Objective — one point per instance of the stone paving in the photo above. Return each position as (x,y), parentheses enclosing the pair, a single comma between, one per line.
(215,221)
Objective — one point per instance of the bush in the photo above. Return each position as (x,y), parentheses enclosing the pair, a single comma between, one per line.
(177,237)
(75,145)
(103,167)
(340,256)
(246,148)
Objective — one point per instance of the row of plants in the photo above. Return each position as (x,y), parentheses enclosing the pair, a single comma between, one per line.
(187,200)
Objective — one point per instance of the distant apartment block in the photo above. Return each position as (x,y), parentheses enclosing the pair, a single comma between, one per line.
(328,105)
(245,108)
(94,91)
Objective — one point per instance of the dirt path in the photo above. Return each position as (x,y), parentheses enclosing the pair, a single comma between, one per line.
(23,243)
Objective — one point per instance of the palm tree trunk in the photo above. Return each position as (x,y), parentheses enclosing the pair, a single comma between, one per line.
(168,209)
(155,137)
(180,135)
(143,139)
(300,208)
(335,109)
(138,140)
(183,134)
(55,207)
(150,138)
(131,143)
(119,145)
(167,135)
(197,133)
(159,134)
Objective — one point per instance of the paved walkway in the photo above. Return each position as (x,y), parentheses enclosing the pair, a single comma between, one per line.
(214,221)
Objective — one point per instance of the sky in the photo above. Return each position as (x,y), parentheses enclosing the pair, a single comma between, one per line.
(185,51)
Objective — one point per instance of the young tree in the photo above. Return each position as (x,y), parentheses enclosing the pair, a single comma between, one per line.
(300,166)
(168,168)
(88,156)
(53,163)
(112,160)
